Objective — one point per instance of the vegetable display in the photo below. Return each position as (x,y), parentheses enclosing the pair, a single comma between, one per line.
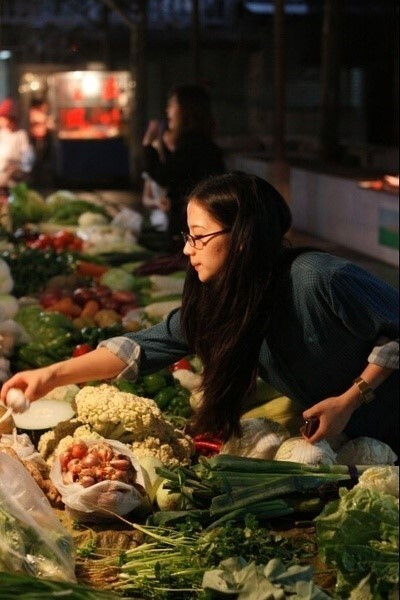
(237,518)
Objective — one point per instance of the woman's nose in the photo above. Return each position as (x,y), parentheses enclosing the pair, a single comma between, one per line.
(188,249)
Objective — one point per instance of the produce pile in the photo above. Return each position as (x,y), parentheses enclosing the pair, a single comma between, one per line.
(103,491)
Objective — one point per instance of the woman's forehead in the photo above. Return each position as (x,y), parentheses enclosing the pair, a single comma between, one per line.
(197,215)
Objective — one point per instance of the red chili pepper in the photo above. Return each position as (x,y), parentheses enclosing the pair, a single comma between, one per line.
(181,364)
(81,349)
(206,437)
(207,448)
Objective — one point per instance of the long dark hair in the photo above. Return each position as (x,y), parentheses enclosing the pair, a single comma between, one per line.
(195,105)
(226,319)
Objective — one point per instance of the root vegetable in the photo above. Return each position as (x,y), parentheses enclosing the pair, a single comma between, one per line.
(87,481)
(120,463)
(79,450)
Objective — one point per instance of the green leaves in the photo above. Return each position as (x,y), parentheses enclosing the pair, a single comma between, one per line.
(248,581)
(359,535)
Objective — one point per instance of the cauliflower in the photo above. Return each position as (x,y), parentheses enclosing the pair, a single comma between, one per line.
(176,452)
(81,432)
(49,441)
(365,451)
(121,415)
(382,479)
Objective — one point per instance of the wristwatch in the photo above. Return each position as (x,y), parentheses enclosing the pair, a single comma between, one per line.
(367,394)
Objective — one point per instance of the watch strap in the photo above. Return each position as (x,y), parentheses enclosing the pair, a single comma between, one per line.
(367,394)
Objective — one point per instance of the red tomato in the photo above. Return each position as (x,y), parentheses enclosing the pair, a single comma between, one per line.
(42,242)
(81,349)
(181,364)
(64,236)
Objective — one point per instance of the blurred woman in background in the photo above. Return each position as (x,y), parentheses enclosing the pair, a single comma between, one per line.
(184,154)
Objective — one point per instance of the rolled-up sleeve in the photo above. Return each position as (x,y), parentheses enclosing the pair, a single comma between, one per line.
(151,349)
(385,354)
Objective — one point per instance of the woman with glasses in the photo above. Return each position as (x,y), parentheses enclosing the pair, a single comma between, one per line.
(184,154)
(316,327)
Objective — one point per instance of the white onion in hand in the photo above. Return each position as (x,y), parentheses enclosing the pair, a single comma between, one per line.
(17,401)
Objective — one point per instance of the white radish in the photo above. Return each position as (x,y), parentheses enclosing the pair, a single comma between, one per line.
(16,402)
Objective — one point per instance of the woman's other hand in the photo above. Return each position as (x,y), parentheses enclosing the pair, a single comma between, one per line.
(164,204)
(153,133)
(333,414)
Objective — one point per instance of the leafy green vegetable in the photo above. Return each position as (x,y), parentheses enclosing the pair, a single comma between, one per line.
(118,279)
(170,563)
(24,587)
(257,582)
(52,334)
(47,264)
(359,535)
(26,206)
(67,212)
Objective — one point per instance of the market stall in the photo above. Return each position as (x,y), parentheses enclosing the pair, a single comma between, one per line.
(360,214)
(91,137)
(103,490)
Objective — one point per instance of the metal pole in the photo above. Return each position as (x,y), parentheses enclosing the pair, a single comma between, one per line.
(330,80)
(196,40)
(279,80)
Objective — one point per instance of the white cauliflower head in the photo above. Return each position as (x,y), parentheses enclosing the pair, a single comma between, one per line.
(176,452)
(121,415)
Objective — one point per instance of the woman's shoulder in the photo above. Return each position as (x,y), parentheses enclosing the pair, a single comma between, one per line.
(314,266)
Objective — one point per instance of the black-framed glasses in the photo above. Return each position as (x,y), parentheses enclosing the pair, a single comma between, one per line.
(196,240)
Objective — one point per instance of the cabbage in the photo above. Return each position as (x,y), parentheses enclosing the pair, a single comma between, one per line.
(261,438)
(88,219)
(297,449)
(26,206)
(8,306)
(365,451)
(118,279)
(381,479)
(59,198)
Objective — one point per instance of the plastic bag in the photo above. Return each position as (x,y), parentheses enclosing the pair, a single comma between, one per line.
(105,499)
(152,192)
(128,219)
(32,539)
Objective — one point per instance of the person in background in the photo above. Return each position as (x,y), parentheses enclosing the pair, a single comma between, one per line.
(16,153)
(184,154)
(40,125)
(317,327)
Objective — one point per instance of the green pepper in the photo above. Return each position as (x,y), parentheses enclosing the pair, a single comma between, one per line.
(129,386)
(164,396)
(153,383)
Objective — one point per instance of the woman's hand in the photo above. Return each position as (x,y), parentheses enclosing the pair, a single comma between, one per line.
(152,134)
(333,414)
(35,383)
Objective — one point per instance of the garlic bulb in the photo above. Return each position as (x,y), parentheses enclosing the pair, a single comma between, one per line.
(297,449)
(260,439)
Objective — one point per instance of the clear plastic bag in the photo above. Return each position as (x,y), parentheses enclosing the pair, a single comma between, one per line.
(105,499)
(32,539)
